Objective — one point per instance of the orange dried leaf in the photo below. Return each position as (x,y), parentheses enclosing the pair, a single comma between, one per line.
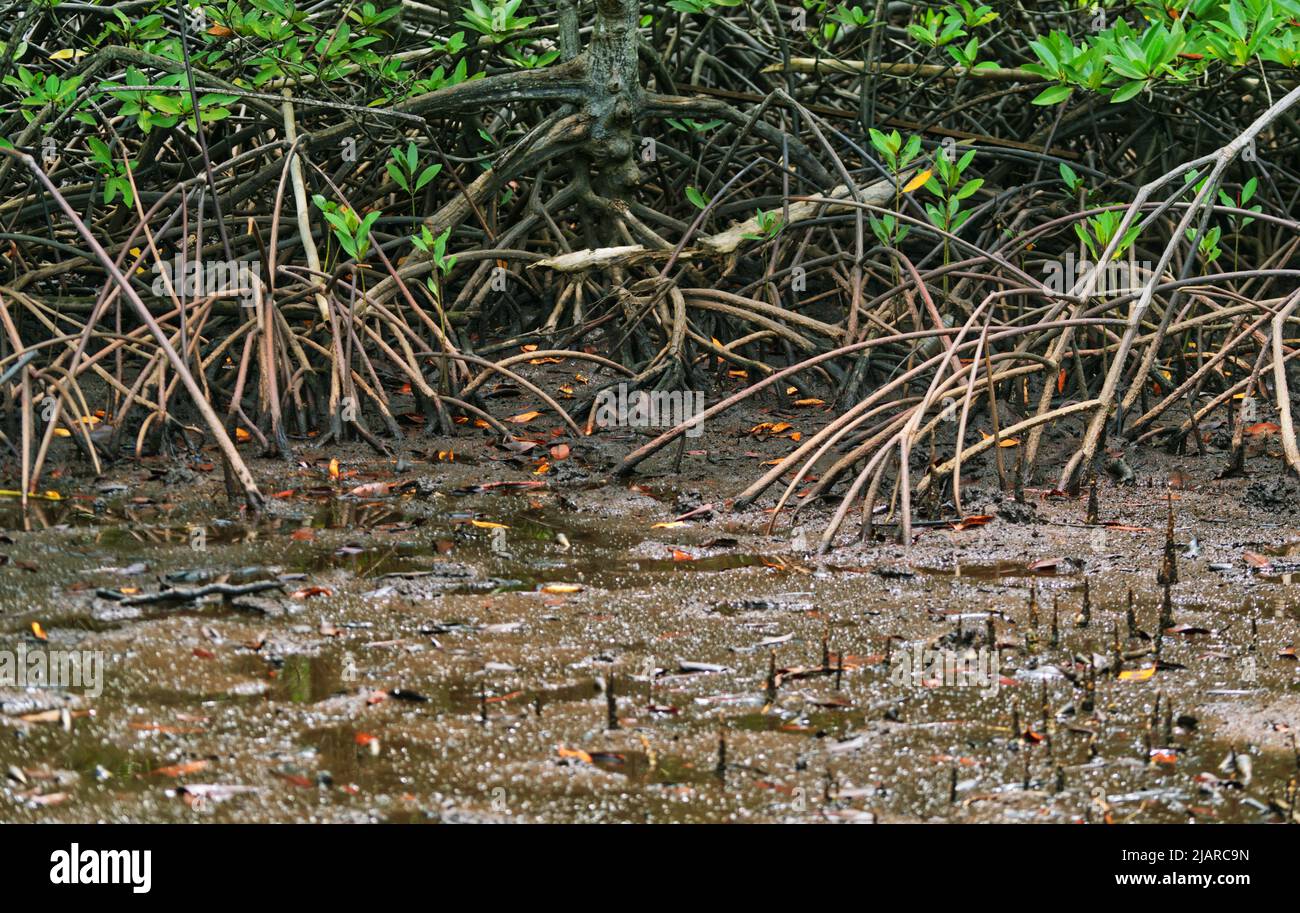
(1263,428)
(1002,442)
(179,770)
(575,753)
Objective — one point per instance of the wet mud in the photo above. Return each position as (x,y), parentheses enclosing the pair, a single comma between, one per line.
(411,640)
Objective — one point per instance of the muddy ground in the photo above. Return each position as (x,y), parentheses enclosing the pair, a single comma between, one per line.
(409,661)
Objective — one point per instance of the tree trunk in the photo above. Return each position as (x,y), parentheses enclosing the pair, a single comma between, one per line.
(613,100)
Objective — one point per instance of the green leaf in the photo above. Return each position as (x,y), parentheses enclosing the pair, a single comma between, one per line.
(1127,91)
(910,151)
(1053,95)
(1046,56)
(398,177)
(340,224)
(1248,190)
(99,150)
(427,175)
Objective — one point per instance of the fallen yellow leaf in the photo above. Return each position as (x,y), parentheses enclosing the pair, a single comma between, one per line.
(85,420)
(561,589)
